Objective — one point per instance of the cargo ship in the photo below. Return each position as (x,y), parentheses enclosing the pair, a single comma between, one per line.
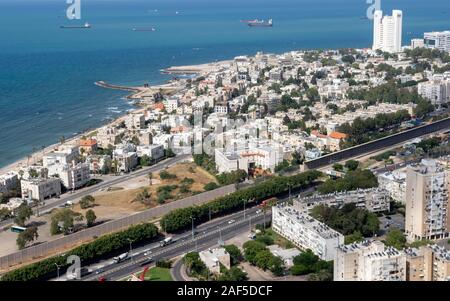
(144,29)
(260,23)
(85,26)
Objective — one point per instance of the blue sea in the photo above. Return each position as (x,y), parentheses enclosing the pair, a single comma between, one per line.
(47,74)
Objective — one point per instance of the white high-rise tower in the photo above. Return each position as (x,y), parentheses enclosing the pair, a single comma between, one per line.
(387,31)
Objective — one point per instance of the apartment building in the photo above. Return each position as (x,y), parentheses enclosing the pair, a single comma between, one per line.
(73,176)
(253,155)
(387,31)
(369,261)
(437,40)
(135,121)
(437,91)
(8,181)
(109,136)
(40,189)
(428,263)
(395,184)
(427,201)
(306,232)
(373,199)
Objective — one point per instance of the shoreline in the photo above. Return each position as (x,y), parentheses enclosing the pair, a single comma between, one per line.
(137,93)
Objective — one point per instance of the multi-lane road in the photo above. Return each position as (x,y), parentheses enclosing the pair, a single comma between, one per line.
(106,182)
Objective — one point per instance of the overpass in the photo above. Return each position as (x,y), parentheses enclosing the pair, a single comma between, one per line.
(377,145)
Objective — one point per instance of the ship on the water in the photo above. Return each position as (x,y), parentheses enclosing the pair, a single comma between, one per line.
(260,23)
(85,26)
(144,29)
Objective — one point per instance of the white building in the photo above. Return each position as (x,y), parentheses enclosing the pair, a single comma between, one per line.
(373,199)
(369,261)
(387,31)
(437,91)
(395,184)
(66,154)
(212,258)
(40,189)
(8,181)
(171,104)
(417,43)
(306,232)
(135,121)
(155,151)
(125,158)
(252,156)
(73,176)
(437,40)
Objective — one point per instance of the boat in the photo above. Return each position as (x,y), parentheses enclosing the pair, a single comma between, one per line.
(249,21)
(260,23)
(85,26)
(144,29)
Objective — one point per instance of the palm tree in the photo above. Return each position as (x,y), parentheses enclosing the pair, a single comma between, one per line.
(62,140)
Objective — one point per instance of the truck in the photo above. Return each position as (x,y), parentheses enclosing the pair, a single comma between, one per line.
(121,257)
(166,241)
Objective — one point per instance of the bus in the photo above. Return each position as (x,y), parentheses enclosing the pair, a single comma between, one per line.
(17,229)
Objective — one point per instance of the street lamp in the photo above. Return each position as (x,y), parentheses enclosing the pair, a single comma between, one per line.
(245,201)
(131,249)
(192,219)
(57,270)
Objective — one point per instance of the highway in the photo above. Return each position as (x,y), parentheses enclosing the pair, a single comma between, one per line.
(206,235)
(110,181)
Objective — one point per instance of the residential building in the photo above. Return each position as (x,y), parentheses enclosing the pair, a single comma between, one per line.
(171,104)
(266,156)
(109,136)
(395,184)
(437,91)
(427,201)
(437,40)
(40,189)
(73,176)
(88,146)
(155,151)
(135,121)
(428,263)
(373,199)
(305,232)
(99,164)
(8,181)
(369,261)
(66,154)
(387,31)
(213,258)
(417,43)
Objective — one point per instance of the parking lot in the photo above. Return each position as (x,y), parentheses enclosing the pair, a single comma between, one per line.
(388,222)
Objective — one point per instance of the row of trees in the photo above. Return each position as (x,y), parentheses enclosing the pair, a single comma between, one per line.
(181,219)
(102,246)
(360,130)
(356,179)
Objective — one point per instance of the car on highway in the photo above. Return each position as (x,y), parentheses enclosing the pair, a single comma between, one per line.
(147,252)
(258,211)
(231,221)
(99,271)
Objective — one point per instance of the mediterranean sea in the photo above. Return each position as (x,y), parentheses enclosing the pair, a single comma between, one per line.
(47,74)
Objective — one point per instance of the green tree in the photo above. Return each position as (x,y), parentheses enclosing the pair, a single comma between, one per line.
(5,214)
(235,254)
(90,218)
(395,238)
(27,236)
(87,201)
(251,249)
(352,165)
(338,167)
(233,274)
(62,221)
(194,265)
(22,214)
(354,237)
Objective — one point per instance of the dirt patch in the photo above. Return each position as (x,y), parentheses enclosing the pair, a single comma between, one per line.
(121,201)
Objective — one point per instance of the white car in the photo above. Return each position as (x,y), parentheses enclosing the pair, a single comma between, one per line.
(258,211)
(148,252)
(231,221)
